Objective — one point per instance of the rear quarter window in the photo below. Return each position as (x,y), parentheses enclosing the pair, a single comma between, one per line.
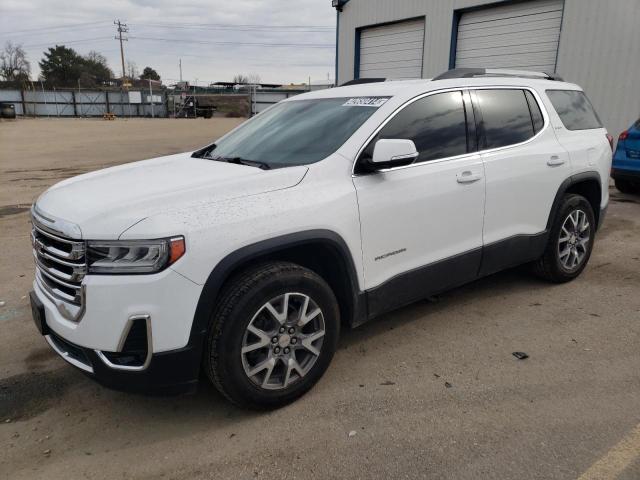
(574,109)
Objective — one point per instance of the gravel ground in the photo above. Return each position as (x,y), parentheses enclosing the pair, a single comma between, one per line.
(430,391)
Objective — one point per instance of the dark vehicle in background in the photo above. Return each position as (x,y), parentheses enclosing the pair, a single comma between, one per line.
(626,161)
(7,110)
(195,106)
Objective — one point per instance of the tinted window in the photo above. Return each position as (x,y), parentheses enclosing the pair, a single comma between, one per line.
(297,132)
(436,124)
(575,109)
(506,119)
(536,114)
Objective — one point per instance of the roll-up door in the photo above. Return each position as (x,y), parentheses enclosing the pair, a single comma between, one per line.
(522,35)
(392,51)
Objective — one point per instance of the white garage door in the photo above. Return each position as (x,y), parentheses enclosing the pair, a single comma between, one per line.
(521,36)
(392,51)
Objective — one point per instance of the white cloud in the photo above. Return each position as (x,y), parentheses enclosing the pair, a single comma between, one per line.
(162,31)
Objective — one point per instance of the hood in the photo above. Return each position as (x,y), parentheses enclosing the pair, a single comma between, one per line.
(106,202)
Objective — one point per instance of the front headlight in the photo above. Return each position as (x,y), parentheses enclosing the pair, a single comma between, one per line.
(133,256)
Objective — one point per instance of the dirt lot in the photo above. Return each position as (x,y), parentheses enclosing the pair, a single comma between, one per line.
(431,391)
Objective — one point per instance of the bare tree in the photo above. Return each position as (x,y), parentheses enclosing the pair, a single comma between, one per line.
(14,65)
(97,57)
(240,79)
(253,79)
(132,70)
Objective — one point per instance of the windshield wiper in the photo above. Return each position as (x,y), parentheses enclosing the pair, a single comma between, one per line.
(204,152)
(243,161)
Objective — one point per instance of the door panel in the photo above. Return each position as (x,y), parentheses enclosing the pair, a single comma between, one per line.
(522,183)
(525,167)
(415,216)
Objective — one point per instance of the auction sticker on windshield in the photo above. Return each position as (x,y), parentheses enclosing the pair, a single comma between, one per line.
(365,102)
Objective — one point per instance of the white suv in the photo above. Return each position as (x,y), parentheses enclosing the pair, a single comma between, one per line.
(245,258)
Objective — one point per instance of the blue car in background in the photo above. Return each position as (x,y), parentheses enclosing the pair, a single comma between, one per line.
(626,161)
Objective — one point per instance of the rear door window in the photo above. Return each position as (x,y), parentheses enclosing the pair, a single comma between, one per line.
(505,117)
(574,109)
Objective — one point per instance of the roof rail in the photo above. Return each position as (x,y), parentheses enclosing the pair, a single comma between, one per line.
(491,72)
(359,81)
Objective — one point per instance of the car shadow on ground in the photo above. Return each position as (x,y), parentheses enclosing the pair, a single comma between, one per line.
(501,284)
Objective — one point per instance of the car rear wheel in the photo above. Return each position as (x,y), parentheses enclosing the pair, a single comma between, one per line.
(626,186)
(570,241)
(272,336)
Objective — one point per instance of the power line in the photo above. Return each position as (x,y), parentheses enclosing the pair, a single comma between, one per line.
(259,44)
(83,40)
(206,26)
(222,26)
(231,29)
(68,26)
(179,40)
(245,59)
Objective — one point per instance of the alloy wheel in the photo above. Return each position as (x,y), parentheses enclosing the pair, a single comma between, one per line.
(283,341)
(573,243)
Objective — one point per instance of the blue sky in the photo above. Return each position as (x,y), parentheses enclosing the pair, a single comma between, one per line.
(281,41)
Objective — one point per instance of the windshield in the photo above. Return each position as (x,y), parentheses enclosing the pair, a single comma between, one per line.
(297,132)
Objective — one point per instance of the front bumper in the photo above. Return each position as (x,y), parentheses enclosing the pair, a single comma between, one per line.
(162,356)
(168,298)
(620,174)
(170,372)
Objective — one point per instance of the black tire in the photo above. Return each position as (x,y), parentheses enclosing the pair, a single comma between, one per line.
(626,186)
(244,296)
(549,266)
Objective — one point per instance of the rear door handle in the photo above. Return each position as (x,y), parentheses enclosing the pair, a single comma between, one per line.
(468,177)
(555,161)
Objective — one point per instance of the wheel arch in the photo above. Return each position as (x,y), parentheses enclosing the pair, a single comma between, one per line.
(322,251)
(587,184)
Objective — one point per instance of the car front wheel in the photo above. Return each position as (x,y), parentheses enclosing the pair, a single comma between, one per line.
(272,336)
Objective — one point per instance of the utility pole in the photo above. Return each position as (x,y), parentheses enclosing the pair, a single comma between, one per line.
(122,28)
(180,65)
(151,96)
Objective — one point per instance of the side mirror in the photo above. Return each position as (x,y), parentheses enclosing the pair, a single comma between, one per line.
(389,153)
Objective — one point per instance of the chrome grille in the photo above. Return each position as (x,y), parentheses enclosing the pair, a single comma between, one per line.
(60,267)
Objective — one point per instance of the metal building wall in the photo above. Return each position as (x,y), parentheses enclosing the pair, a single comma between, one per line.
(599,46)
(600,50)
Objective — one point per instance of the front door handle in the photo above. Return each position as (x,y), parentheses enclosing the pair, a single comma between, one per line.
(555,161)
(468,177)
